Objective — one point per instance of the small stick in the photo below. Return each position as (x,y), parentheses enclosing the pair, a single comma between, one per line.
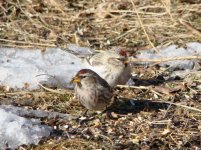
(180,105)
(133,87)
(140,87)
(165,59)
(176,104)
(48,89)
(140,21)
(28,43)
(190,27)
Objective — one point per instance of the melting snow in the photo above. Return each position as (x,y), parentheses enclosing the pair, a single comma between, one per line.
(16,130)
(19,68)
(191,49)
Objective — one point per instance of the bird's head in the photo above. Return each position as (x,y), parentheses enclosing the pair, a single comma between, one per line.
(83,73)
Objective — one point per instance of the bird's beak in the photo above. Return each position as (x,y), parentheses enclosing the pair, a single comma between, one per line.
(76,79)
(126,61)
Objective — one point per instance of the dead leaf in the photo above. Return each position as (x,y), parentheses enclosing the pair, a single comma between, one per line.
(135,141)
(166,131)
(114,115)
(102,10)
(163,90)
(1,2)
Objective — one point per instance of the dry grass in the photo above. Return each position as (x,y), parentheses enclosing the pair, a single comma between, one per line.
(98,24)
(102,24)
(166,115)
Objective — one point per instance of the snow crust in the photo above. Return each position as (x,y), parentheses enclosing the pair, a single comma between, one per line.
(191,49)
(16,130)
(21,68)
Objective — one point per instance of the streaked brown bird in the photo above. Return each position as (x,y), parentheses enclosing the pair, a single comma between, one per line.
(112,65)
(93,92)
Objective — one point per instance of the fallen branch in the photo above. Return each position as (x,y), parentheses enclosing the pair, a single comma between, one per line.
(180,105)
(35,113)
(190,27)
(27,43)
(143,28)
(164,59)
(50,90)
(140,87)
(133,87)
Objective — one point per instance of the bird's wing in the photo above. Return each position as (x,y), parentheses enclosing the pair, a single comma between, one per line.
(96,59)
(79,51)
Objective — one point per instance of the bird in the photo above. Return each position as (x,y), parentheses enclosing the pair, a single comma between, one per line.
(112,65)
(93,92)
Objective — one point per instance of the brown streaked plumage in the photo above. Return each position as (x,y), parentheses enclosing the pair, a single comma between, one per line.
(91,90)
(111,65)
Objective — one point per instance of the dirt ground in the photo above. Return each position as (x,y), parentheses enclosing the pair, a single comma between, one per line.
(151,120)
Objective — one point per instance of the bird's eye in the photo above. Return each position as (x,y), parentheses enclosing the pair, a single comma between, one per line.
(83,76)
(120,59)
(122,52)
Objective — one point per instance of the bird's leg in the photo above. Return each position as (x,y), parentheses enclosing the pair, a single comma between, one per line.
(78,118)
(108,112)
(84,118)
(105,110)
(85,113)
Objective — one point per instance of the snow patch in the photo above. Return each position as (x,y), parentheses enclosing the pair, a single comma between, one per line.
(16,130)
(19,67)
(56,67)
(191,49)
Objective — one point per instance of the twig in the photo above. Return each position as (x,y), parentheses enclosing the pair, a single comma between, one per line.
(133,87)
(157,93)
(140,87)
(122,35)
(176,104)
(180,105)
(140,21)
(165,115)
(106,137)
(20,92)
(173,140)
(28,43)
(165,59)
(161,122)
(50,90)
(190,27)
(168,11)
(44,74)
